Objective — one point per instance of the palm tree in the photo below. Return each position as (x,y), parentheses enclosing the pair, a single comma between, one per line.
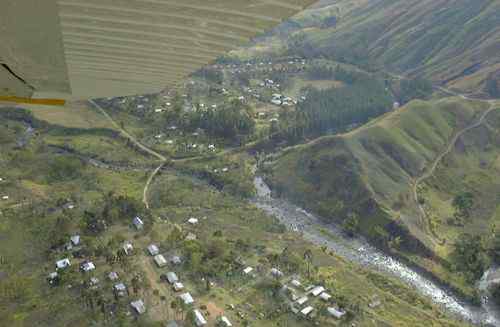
(308,257)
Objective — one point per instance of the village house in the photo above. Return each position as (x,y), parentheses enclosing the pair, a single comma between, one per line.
(172,277)
(302,300)
(128,248)
(113,275)
(224,321)
(187,298)
(138,223)
(306,311)
(94,281)
(317,290)
(335,313)
(247,270)
(53,278)
(153,249)
(296,283)
(190,237)
(193,221)
(138,306)
(75,240)
(276,273)
(199,319)
(176,260)
(87,266)
(120,289)
(325,296)
(178,286)
(63,263)
(160,261)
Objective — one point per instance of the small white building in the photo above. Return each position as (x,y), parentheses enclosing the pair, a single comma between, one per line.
(187,298)
(302,300)
(138,306)
(160,260)
(138,223)
(199,319)
(336,313)
(75,240)
(153,249)
(87,266)
(325,296)
(296,283)
(317,290)
(113,275)
(276,272)
(193,221)
(176,260)
(247,270)
(306,311)
(128,248)
(178,286)
(172,277)
(225,321)
(190,237)
(120,289)
(63,263)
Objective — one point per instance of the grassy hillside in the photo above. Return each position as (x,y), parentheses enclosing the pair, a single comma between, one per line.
(36,223)
(451,42)
(377,162)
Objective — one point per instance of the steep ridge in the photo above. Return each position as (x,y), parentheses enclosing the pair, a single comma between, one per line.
(370,172)
(455,43)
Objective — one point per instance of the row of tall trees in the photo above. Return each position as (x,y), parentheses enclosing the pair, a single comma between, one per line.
(336,109)
(227,121)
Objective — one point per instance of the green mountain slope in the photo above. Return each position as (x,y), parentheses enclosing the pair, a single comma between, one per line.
(452,42)
(370,172)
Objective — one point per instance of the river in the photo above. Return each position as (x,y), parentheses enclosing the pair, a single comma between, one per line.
(360,251)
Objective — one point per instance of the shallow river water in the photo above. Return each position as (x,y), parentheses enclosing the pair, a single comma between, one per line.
(360,251)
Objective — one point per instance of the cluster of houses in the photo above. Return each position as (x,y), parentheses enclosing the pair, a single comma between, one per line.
(281,100)
(171,278)
(266,66)
(302,299)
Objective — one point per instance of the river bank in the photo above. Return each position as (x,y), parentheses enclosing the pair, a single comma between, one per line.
(360,251)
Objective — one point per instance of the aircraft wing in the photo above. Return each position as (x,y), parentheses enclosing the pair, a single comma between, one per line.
(78,49)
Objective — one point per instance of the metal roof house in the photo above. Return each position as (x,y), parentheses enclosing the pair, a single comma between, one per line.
(75,240)
(63,263)
(199,319)
(138,306)
(138,223)
(160,260)
(120,289)
(187,298)
(87,266)
(172,277)
(153,249)
(336,313)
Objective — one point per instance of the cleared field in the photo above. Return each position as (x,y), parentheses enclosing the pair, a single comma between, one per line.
(299,83)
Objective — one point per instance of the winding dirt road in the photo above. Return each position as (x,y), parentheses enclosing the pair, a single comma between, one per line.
(451,144)
(141,146)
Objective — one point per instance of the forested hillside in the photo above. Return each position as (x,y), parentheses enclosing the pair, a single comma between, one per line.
(451,42)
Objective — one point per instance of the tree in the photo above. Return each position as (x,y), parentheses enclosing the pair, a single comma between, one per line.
(308,258)
(351,224)
(469,256)
(463,204)
(418,88)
